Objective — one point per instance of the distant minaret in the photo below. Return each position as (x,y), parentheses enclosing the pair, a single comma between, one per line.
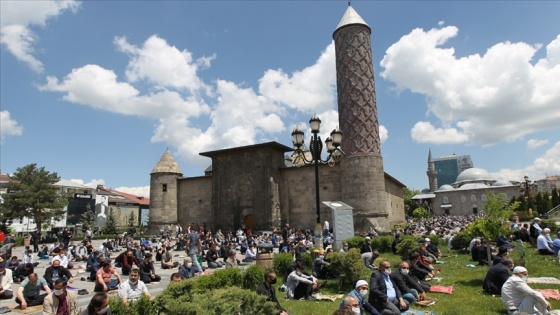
(432,173)
(363,178)
(163,193)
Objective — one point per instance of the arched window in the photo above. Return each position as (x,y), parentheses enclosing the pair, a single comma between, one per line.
(473,198)
(463,198)
(483,197)
(445,200)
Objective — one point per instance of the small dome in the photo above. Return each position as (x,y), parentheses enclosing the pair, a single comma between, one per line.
(502,182)
(446,187)
(425,191)
(473,186)
(474,174)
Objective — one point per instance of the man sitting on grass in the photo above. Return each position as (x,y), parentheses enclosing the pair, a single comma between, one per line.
(359,294)
(299,285)
(496,277)
(519,298)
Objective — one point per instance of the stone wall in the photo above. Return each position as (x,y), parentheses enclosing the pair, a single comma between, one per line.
(163,204)
(463,201)
(298,201)
(395,202)
(195,201)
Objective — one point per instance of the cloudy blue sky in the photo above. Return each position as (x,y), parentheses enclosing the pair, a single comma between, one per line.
(97,90)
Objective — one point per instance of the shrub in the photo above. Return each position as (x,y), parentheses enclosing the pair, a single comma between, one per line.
(461,240)
(142,306)
(219,279)
(382,244)
(253,277)
(355,242)
(281,263)
(435,239)
(307,260)
(549,223)
(349,267)
(406,247)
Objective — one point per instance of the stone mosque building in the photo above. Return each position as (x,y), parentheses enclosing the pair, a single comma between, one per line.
(467,194)
(258,187)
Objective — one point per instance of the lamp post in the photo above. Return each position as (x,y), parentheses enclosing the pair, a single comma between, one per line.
(316,147)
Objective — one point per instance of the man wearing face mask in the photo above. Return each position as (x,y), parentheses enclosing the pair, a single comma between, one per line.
(385,295)
(186,270)
(360,293)
(99,304)
(519,298)
(299,285)
(344,248)
(320,266)
(132,289)
(411,289)
(267,289)
(56,272)
(61,301)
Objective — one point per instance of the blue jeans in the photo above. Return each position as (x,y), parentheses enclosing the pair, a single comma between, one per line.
(411,297)
(112,285)
(195,263)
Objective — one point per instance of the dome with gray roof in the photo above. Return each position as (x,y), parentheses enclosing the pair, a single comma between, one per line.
(445,187)
(502,182)
(474,175)
(473,186)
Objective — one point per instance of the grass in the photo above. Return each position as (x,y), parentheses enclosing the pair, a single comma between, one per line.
(467,297)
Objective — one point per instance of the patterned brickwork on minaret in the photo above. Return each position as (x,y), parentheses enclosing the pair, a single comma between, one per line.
(432,173)
(362,168)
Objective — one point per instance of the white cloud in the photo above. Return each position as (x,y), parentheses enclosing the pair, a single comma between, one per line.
(425,132)
(177,97)
(383,133)
(534,143)
(8,126)
(482,99)
(547,164)
(142,191)
(92,183)
(16,18)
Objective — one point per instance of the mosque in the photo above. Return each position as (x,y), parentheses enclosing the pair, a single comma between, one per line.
(467,194)
(258,187)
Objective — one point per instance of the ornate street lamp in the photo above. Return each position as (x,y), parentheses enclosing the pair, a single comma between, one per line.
(299,157)
(527,181)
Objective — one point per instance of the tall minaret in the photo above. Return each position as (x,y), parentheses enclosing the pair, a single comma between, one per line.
(362,168)
(164,193)
(432,173)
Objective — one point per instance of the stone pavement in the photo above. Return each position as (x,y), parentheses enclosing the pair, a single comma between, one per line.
(83,300)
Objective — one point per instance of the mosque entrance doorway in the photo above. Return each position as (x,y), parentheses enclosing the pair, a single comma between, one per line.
(447,211)
(248,220)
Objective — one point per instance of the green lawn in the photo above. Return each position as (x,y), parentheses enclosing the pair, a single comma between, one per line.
(467,297)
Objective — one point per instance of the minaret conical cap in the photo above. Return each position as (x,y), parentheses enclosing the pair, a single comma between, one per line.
(167,164)
(350,17)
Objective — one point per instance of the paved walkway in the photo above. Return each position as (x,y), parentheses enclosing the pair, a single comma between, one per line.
(83,300)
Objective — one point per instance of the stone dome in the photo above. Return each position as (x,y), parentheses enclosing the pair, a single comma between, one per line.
(446,187)
(474,175)
(473,186)
(502,182)
(425,191)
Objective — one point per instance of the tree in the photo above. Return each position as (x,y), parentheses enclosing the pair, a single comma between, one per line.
(131,220)
(34,195)
(555,197)
(88,218)
(409,204)
(420,213)
(110,226)
(496,212)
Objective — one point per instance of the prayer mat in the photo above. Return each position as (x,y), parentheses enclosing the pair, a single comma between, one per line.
(416,312)
(326,297)
(27,310)
(547,280)
(549,294)
(427,302)
(441,289)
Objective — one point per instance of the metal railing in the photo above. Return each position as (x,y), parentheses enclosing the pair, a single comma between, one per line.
(553,212)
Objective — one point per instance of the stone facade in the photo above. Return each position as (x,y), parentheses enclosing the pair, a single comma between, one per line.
(468,201)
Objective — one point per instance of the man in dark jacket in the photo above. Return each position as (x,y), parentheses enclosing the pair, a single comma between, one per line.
(419,270)
(385,296)
(496,276)
(147,270)
(55,272)
(267,289)
(366,246)
(410,288)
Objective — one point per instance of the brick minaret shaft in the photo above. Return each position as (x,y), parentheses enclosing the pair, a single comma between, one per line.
(362,168)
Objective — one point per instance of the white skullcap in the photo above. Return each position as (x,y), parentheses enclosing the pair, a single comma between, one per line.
(519,269)
(368,238)
(361,283)
(537,219)
(427,239)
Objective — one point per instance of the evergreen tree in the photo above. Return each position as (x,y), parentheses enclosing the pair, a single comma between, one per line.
(88,218)
(131,220)
(547,202)
(33,195)
(539,204)
(110,226)
(555,198)
(522,203)
(409,204)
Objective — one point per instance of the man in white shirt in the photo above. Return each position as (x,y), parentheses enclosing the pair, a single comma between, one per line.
(542,243)
(519,298)
(6,281)
(133,289)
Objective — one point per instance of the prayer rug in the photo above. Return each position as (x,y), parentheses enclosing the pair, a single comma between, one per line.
(547,280)
(27,310)
(441,289)
(549,294)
